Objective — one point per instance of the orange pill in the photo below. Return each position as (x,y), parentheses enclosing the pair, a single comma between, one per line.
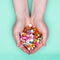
(24,30)
(36,36)
(34,41)
(34,29)
(24,34)
(28,28)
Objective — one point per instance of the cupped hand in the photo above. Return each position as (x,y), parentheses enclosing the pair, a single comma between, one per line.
(17,29)
(37,19)
(41,26)
(21,10)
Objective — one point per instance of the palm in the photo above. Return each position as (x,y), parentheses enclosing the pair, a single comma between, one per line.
(40,25)
(18,28)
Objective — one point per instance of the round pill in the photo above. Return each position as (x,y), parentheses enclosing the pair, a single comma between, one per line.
(30,25)
(30,42)
(36,36)
(24,34)
(28,48)
(32,31)
(29,31)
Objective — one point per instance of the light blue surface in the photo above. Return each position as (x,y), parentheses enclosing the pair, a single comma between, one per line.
(8,49)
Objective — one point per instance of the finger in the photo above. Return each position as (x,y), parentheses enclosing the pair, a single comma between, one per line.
(24,49)
(45,34)
(43,29)
(16,37)
(44,39)
(27,20)
(17,40)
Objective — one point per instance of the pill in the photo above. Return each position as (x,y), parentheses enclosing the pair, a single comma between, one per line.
(36,36)
(30,25)
(30,37)
(24,34)
(32,31)
(38,41)
(30,42)
(24,38)
(40,38)
(28,48)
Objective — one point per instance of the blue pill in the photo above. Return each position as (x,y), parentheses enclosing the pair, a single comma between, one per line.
(28,31)
(30,41)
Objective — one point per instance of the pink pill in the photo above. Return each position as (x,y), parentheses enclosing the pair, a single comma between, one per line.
(24,38)
(33,37)
(36,43)
(28,35)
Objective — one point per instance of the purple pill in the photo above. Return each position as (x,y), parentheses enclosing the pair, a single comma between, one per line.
(29,31)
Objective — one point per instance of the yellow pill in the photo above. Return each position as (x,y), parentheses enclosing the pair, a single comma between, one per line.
(34,29)
(36,36)
(31,46)
(24,34)
(35,40)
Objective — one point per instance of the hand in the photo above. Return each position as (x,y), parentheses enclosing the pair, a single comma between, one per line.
(41,26)
(37,19)
(18,28)
(21,10)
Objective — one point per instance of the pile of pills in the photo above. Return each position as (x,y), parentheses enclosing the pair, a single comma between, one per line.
(30,37)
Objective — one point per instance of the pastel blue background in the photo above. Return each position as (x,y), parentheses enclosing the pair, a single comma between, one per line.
(8,49)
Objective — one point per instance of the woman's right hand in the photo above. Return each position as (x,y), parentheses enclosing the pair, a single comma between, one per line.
(22,19)
(17,29)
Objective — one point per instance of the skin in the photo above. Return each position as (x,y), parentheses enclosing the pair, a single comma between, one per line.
(23,19)
(37,19)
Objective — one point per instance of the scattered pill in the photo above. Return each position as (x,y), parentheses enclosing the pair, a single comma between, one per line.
(30,37)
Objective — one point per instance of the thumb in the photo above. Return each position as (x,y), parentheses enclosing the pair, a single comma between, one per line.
(44,30)
(17,41)
(16,38)
(45,36)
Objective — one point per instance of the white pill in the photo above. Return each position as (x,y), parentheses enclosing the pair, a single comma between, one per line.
(22,33)
(32,31)
(30,25)
(31,40)
(28,42)
(37,40)
(32,48)
(38,35)
(28,48)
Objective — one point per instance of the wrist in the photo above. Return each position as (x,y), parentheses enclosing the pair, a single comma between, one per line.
(22,18)
(18,18)
(39,17)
